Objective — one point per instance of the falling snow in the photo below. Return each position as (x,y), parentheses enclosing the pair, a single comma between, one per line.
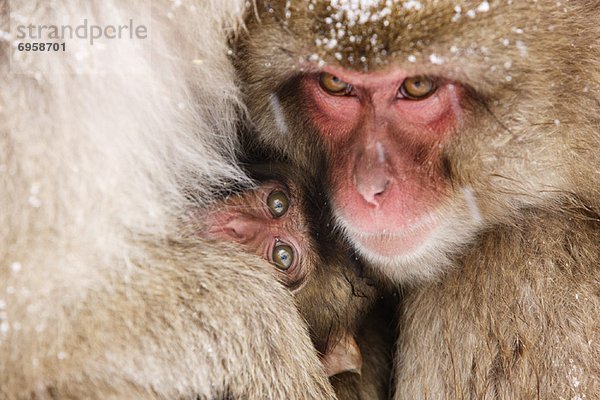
(457,13)
(350,22)
(435,59)
(15,267)
(574,375)
(409,5)
(483,7)
(523,51)
(360,12)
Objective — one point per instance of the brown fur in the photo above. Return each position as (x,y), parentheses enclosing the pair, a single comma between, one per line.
(101,296)
(336,295)
(496,309)
(518,318)
(374,338)
(335,301)
(329,287)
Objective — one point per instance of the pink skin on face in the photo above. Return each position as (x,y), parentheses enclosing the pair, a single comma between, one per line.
(246,219)
(389,181)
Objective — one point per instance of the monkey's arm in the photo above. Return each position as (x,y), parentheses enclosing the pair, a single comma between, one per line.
(375,339)
(99,148)
(182,324)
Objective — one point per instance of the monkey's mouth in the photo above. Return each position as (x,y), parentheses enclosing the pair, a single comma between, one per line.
(393,243)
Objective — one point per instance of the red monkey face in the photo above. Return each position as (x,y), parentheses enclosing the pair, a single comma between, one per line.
(389,187)
(389,181)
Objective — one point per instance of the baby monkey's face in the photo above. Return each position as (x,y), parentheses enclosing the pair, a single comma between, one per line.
(267,221)
(283,221)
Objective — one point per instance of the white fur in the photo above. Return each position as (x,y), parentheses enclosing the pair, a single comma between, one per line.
(100,148)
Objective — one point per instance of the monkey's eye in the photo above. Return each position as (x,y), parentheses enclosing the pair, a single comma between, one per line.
(278,203)
(417,88)
(334,85)
(283,256)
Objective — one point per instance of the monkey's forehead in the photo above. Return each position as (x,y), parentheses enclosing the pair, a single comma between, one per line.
(368,34)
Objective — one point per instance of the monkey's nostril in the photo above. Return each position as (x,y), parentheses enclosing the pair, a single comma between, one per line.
(241,230)
(233,233)
(371,186)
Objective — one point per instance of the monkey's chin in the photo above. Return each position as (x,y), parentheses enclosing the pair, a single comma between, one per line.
(395,241)
(414,254)
(398,243)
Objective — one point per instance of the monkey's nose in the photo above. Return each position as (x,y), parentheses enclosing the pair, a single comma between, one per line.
(371,185)
(241,229)
(371,175)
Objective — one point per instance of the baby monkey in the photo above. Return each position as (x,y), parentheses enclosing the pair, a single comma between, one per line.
(285,221)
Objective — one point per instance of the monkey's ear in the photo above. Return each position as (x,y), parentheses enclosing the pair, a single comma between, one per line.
(344,356)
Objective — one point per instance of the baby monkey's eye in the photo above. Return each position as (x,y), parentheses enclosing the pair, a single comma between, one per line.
(278,203)
(417,88)
(283,256)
